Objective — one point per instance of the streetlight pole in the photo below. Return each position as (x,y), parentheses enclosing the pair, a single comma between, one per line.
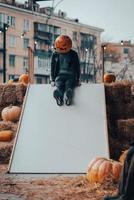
(4,52)
(103,47)
(3,30)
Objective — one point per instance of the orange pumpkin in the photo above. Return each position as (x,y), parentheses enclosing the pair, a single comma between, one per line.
(109,78)
(100,169)
(10,82)
(24,78)
(6,136)
(123,156)
(63,44)
(11,113)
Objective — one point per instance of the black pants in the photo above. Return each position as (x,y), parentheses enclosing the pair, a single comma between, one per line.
(126,185)
(64,82)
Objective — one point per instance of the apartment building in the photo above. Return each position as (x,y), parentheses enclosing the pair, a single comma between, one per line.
(29,26)
(119,58)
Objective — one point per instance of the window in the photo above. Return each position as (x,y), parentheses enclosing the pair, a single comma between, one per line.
(3,18)
(26,25)
(12,41)
(41,62)
(64,31)
(12,60)
(125,50)
(51,29)
(57,30)
(25,63)
(39,80)
(11,21)
(25,43)
(13,77)
(75,36)
(43,27)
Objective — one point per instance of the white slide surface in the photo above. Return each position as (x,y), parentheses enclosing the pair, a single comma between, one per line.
(61,140)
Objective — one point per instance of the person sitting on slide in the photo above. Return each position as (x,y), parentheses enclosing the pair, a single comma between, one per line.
(65,70)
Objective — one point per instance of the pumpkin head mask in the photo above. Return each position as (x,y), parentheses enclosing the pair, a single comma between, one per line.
(63,44)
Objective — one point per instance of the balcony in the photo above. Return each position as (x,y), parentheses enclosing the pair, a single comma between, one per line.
(43,53)
(47,28)
(42,71)
(42,63)
(46,37)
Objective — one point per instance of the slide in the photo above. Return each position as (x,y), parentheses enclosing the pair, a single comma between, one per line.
(60,140)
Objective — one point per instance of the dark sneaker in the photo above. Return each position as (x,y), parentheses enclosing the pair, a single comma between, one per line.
(58,98)
(69,96)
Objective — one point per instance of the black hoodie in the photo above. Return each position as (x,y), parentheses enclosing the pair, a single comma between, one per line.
(74,65)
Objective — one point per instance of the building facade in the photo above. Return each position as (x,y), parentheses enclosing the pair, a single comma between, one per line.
(119,58)
(35,27)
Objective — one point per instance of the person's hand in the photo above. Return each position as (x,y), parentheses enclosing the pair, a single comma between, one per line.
(52,83)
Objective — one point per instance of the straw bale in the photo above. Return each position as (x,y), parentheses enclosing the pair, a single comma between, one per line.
(120,111)
(8,94)
(6,147)
(1,88)
(126,128)
(129,110)
(8,126)
(5,152)
(20,92)
(112,129)
(12,94)
(117,146)
(118,92)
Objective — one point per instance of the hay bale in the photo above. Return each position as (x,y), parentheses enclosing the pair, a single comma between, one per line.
(8,126)
(129,109)
(117,146)
(12,94)
(8,94)
(20,92)
(118,92)
(120,111)
(5,152)
(126,128)
(6,147)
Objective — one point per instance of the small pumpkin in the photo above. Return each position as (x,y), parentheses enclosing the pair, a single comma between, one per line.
(24,78)
(11,113)
(109,78)
(123,156)
(6,136)
(10,82)
(63,44)
(100,169)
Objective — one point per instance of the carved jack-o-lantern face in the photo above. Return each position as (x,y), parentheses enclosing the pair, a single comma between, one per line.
(63,44)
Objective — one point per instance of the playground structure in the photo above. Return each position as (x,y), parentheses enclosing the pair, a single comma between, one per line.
(60,140)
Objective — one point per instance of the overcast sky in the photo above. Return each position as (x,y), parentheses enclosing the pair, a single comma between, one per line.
(114,16)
